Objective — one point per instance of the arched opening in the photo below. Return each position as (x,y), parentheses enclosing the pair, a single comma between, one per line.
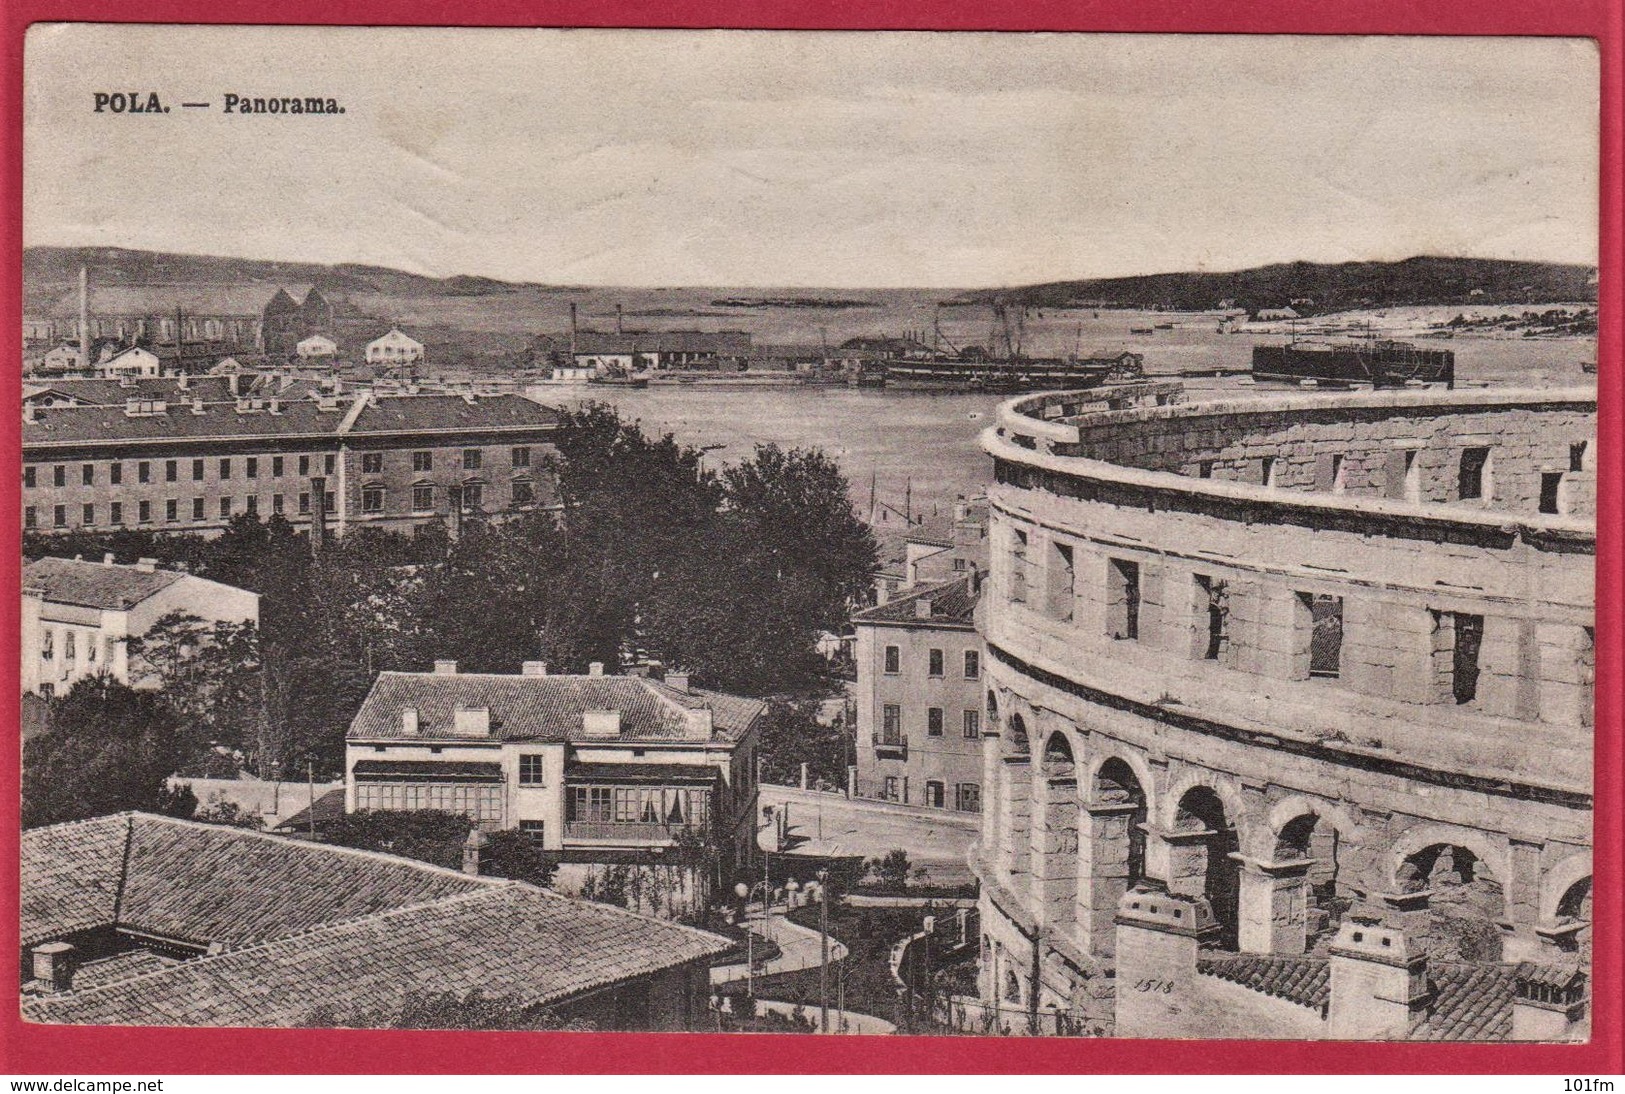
(1326,899)
(1465,902)
(1056,858)
(1116,819)
(1014,851)
(1203,841)
(1574,910)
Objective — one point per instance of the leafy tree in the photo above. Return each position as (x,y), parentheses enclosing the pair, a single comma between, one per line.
(210,675)
(514,854)
(892,872)
(792,735)
(110,748)
(429,835)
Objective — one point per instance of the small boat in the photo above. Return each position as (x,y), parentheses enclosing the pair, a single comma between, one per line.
(1165,326)
(1142,330)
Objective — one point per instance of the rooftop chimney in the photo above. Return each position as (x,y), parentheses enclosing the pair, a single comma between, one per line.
(534,668)
(471,721)
(572,329)
(233,381)
(53,965)
(697,724)
(107,559)
(922,608)
(146,565)
(601,723)
(197,405)
(677,681)
(595,669)
(409,721)
(445,668)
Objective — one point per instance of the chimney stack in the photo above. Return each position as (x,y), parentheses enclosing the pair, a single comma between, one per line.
(84,317)
(445,668)
(572,331)
(534,668)
(53,965)
(472,846)
(318,514)
(619,328)
(595,669)
(471,721)
(601,723)
(107,559)
(146,565)
(922,608)
(1379,980)
(409,721)
(677,681)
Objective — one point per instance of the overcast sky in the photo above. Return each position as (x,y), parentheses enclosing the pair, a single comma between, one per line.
(778,158)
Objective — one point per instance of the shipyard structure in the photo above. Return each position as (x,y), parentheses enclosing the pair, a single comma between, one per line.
(1288,717)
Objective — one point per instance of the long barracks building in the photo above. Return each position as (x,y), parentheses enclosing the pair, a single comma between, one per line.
(389,461)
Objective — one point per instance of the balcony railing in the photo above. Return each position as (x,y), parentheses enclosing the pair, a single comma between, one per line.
(624,831)
(894,744)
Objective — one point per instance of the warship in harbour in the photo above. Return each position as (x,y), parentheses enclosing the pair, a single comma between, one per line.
(1378,363)
(945,367)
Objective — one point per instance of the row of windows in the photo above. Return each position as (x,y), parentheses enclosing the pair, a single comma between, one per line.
(967,796)
(146,512)
(1475,479)
(71,644)
(1318,630)
(147,470)
(375,495)
(477,801)
(372,463)
(891,723)
(639,805)
(935,662)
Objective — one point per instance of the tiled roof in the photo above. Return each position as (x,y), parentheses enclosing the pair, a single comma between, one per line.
(95,584)
(1303,980)
(422,413)
(101,392)
(428,931)
(297,417)
(645,773)
(953,603)
(328,807)
(541,708)
(1471,1002)
(71,875)
(206,883)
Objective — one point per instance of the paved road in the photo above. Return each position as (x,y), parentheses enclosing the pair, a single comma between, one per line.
(799,948)
(830,824)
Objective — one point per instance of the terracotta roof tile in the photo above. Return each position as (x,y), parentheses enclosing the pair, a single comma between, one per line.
(307,925)
(94,584)
(542,708)
(953,603)
(1471,1002)
(1303,980)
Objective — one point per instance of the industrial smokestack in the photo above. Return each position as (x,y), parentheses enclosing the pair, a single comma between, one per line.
(84,317)
(572,331)
(619,329)
(318,514)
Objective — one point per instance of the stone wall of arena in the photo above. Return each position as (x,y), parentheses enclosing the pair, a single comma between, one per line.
(1218,746)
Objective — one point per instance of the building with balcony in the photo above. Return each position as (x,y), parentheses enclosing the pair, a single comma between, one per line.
(175,456)
(134,919)
(604,770)
(919,697)
(1270,681)
(78,616)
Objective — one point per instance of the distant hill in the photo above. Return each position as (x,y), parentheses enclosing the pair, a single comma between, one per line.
(49,270)
(1339,287)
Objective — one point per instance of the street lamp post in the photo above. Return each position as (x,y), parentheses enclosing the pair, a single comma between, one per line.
(742,891)
(823,950)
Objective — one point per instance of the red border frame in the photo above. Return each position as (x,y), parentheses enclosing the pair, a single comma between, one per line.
(82,1050)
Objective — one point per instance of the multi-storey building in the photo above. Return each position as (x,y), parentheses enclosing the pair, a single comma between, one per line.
(1288,689)
(78,616)
(919,697)
(603,770)
(391,461)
